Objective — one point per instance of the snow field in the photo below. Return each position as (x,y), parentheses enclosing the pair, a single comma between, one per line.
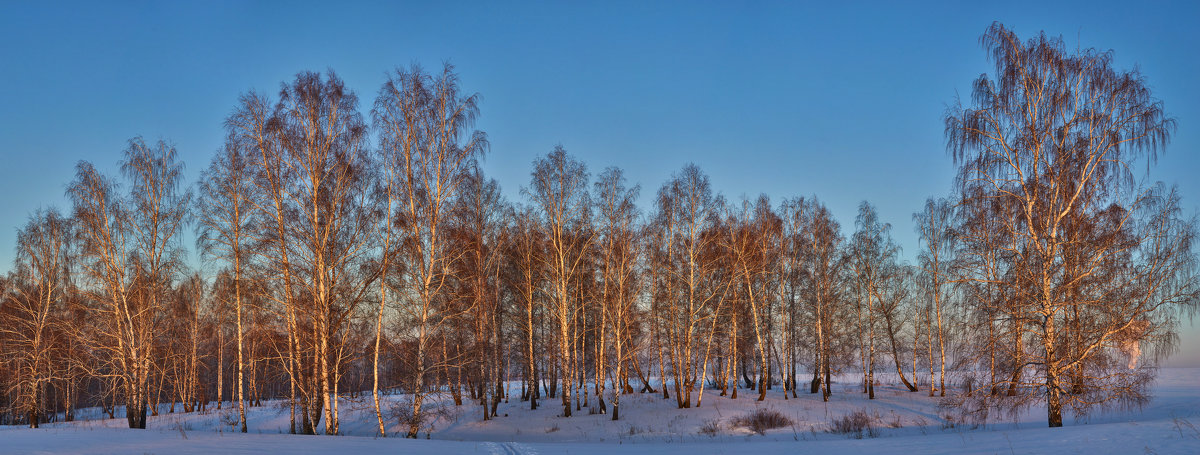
(901,422)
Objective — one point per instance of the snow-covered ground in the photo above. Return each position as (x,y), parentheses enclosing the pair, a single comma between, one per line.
(903,422)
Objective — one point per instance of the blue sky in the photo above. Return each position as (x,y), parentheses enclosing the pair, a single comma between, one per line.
(842,101)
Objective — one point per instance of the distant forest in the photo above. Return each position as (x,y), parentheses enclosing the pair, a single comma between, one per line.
(361,250)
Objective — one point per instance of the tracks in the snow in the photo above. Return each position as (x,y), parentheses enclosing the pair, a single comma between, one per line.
(509,448)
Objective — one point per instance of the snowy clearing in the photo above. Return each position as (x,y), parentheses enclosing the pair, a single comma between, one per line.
(901,422)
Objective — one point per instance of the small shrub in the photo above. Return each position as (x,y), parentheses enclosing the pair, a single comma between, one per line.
(854,424)
(761,420)
(965,418)
(921,423)
(964,411)
(230,418)
(710,427)
(401,412)
(552,429)
(948,422)
(896,422)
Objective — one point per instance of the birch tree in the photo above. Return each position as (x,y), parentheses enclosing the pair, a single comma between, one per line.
(872,256)
(617,218)
(933,226)
(1055,135)
(31,323)
(129,245)
(224,211)
(752,235)
(526,279)
(687,300)
(322,143)
(823,264)
(425,125)
(558,187)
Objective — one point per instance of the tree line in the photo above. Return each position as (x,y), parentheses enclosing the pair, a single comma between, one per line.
(365,250)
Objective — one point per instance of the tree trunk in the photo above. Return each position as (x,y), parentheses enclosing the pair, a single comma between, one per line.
(887,317)
(220,366)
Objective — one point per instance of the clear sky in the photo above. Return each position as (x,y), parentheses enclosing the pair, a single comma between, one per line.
(841,101)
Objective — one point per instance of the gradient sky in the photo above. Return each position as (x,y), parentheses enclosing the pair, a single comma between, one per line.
(841,101)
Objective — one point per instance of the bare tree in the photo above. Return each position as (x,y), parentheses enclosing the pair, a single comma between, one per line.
(223,212)
(474,225)
(31,322)
(323,140)
(933,225)
(686,295)
(527,275)
(822,264)
(558,187)
(752,238)
(793,214)
(894,296)
(872,257)
(256,129)
(425,126)
(617,219)
(1055,135)
(130,252)
(186,319)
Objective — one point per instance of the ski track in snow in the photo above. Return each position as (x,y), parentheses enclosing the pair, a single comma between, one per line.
(509,448)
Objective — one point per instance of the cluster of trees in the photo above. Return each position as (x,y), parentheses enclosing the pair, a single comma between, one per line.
(369,252)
